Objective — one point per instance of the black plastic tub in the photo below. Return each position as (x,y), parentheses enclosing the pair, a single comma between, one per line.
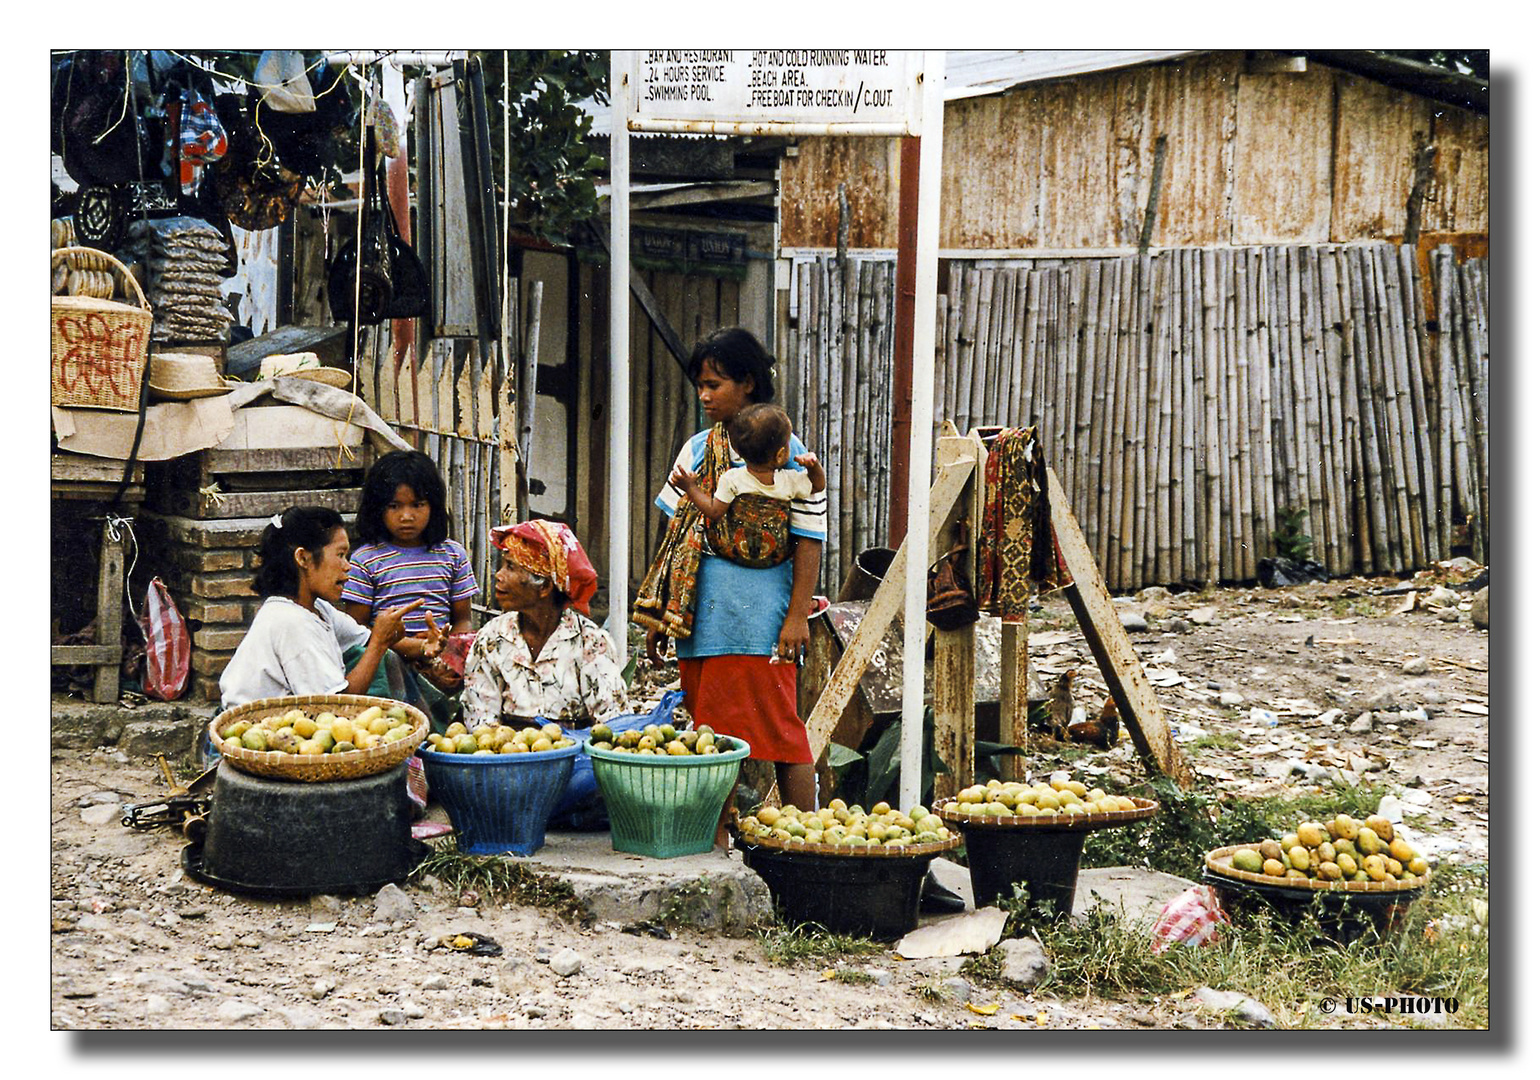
(849,894)
(280,838)
(1343,916)
(1046,862)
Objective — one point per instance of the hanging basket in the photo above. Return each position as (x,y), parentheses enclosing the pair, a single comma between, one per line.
(100,347)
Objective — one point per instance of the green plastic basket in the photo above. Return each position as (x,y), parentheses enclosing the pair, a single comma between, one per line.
(664,807)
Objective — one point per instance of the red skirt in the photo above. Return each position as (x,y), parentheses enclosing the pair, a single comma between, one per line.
(748,698)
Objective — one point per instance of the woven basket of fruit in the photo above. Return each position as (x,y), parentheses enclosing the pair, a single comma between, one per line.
(1343,855)
(1060,805)
(846,832)
(318,737)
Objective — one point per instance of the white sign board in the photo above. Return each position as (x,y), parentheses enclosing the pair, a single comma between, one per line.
(776,91)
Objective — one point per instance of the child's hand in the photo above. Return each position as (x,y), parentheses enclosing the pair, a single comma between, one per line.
(808,461)
(433,640)
(683,478)
(390,626)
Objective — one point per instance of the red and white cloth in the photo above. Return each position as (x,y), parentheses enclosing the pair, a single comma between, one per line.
(203,140)
(1192,917)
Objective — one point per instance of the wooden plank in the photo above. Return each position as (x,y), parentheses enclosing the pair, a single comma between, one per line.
(109,612)
(79,469)
(1015,704)
(1115,655)
(953,673)
(886,603)
(195,504)
(62,655)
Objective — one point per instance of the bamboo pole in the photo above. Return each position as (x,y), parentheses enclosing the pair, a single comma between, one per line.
(1235,422)
(1474,305)
(1420,365)
(1443,284)
(862,440)
(1053,367)
(1391,284)
(1380,516)
(953,325)
(1353,420)
(1000,393)
(1160,398)
(1463,442)
(1143,538)
(978,409)
(885,375)
(1286,496)
(1323,537)
(1211,494)
(820,346)
(1127,473)
(1191,413)
(1015,411)
(1385,370)
(1337,398)
(1093,396)
(1247,421)
(850,291)
(966,348)
(1037,308)
(1265,497)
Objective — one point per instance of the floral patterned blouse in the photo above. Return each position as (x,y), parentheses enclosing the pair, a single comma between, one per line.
(575,681)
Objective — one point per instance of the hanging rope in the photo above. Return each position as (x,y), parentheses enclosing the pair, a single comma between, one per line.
(117,529)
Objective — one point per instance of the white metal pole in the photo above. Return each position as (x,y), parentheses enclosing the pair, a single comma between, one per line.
(918,532)
(620,339)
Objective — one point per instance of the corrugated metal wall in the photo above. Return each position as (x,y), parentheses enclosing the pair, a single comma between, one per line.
(1305,157)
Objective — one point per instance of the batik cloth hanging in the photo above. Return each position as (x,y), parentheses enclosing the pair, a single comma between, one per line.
(1016,545)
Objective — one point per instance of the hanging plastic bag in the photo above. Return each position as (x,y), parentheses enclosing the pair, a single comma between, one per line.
(281,75)
(1191,917)
(167,645)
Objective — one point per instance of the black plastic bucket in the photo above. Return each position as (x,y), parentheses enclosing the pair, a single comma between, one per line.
(866,574)
(1343,916)
(849,894)
(288,838)
(1046,861)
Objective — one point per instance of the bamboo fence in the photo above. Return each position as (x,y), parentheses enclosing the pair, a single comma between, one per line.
(1188,399)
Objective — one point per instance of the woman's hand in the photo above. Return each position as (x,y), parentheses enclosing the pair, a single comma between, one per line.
(390,626)
(433,640)
(657,645)
(794,638)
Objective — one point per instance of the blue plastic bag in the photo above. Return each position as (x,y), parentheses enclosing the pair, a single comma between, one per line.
(581,807)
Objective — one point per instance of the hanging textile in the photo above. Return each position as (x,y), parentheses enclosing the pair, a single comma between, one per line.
(666,600)
(1015,516)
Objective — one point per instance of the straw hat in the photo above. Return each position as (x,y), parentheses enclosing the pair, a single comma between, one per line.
(303,365)
(185,376)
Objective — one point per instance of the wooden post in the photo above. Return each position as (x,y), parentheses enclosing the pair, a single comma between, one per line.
(109,613)
(1115,656)
(953,676)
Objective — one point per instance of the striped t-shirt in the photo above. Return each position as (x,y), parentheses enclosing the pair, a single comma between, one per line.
(385,576)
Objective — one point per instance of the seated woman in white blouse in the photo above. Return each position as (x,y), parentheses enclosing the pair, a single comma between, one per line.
(297,639)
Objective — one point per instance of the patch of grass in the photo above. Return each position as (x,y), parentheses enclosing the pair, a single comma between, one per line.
(498,877)
(786,946)
(983,968)
(1285,964)
(929,993)
(687,904)
(853,976)
(1223,740)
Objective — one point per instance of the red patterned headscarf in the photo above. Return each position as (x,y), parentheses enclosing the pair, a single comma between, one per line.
(549,548)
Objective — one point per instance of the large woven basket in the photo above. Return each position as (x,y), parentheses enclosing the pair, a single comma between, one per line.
(843,851)
(1218,863)
(100,347)
(1143,808)
(317,767)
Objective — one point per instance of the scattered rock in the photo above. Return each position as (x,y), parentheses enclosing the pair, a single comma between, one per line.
(1213,686)
(1441,597)
(250,941)
(1449,615)
(958,988)
(1178,626)
(1245,1011)
(1230,697)
(101,814)
(1132,619)
(940,965)
(1478,609)
(470,898)
(1415,666)
(1363,725)
(155,1005)
(1330,716)
(535,1012)
(1359,764)
(1461,565)
(413,1010)
(974,932)
(880,976)
(1383,699)
(302,1017)
(232,1012)
(435,982)
(566,963)
(1418,715)
(1343,676)
(329,905)
(1023,963)
(392,1017)
(1203,616)
(1389,808)
(393,905)
(321,988)
(1154,593)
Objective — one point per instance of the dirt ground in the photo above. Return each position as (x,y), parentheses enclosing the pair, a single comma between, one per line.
(135,944)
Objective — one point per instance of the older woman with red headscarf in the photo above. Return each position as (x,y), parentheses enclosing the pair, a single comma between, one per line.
(543,656)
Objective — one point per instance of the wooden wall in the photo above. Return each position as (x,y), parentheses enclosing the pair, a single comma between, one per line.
(1309,157)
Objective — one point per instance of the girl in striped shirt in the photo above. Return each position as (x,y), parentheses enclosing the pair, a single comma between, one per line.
(406,554)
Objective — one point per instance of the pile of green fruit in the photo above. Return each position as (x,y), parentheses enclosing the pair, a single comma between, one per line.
(297,732)
(1344,849)
(1038,799)
(844,826)
(661,741)
(499,739)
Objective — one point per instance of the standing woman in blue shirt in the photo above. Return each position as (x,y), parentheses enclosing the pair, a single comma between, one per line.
(738,665)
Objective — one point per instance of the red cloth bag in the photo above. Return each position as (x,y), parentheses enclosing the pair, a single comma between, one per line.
(167,645)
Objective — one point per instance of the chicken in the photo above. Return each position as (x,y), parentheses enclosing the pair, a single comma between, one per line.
(1061,705)
(1101,732)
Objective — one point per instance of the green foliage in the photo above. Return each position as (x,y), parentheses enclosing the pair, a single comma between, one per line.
(1290,540)
(496,876)
(786,945)
(551,183)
